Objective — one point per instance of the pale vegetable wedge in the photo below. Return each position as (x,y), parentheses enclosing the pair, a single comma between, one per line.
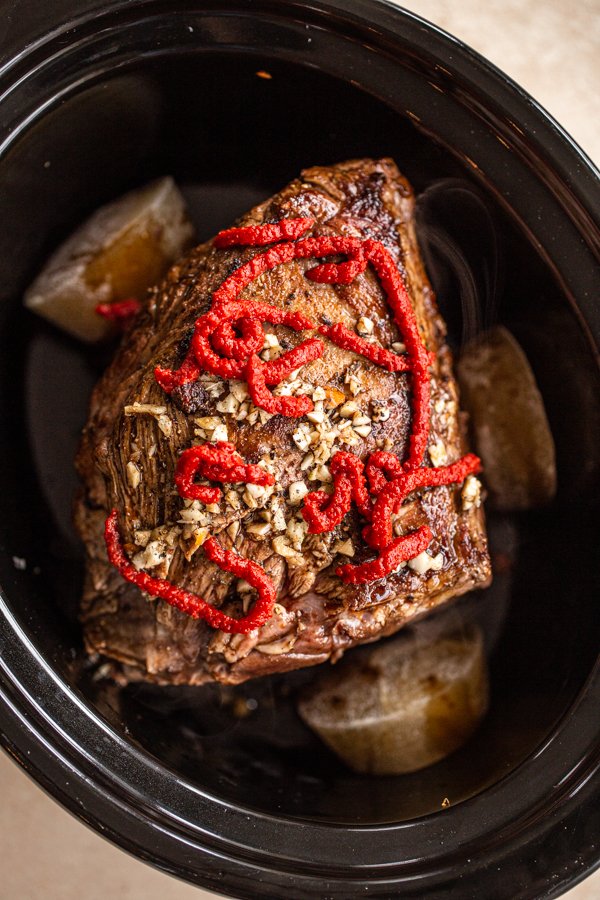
(119,252)
(508,421)
(404,705)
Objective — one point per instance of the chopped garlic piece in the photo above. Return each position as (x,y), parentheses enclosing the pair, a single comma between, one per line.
(422,563)
(239,390)
(249,500)
(256,490)
(471,493)
(208,422)
(259,529)
(219,433)
(151,409)
(363,430)
(282,547)
(355,385)
(301,437)
(278,520)
(141,538)
(194,514)
(153,555)
(228,405)
(243,411)
(232,530)
(365,325)
(165,425)
(307,461)
(321,473)
(134,476)
(349,409)
(296,530)
(344,547)
(198,539)
(233,499)
(437,453)
(243,587)
(297,491)
(316,416)
(381,411)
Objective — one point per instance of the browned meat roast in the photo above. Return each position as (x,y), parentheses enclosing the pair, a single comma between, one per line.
(136,433)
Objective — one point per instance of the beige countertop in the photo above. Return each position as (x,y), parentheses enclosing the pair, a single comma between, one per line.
(552,49)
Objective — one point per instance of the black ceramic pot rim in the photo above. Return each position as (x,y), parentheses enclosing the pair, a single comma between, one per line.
(126,795)
(507,841)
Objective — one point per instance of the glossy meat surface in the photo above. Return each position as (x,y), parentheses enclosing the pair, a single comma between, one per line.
(128,456)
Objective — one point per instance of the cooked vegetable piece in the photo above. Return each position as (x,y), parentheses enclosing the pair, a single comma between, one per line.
(119,252)
(404,705)
(509,423)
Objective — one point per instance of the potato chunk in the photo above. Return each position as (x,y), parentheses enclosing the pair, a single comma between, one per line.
(509,423)
(404,705)
(119,252)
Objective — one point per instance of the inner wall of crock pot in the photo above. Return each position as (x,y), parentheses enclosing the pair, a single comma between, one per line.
(230,139)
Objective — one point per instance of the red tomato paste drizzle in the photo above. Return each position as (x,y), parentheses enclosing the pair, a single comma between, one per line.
(393,495)
(217,462)
(226,342)
(169,379)
(391,557)
(220,321)
(323,512)
(349,340)
(259,235)
(193,604)
(121,312)
(380,534)
(256,377)
(250,339)
(278,369)
(340,273)
(380,467)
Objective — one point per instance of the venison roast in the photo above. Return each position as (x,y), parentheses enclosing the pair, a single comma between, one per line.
(136,433)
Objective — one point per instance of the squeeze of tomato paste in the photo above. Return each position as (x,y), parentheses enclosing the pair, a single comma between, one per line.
(226,342)
(121,312)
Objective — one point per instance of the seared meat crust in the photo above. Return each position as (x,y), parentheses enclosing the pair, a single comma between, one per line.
(127,458)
